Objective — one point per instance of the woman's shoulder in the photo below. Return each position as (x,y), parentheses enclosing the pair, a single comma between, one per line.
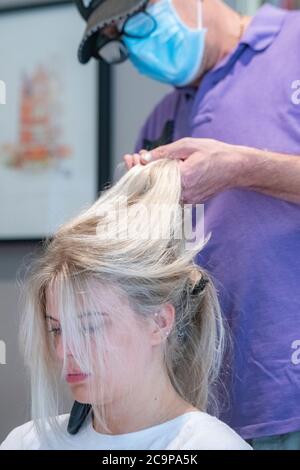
(25,437)
(202,431)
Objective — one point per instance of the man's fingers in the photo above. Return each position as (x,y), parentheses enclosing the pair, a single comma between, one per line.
(146,157)
(179,150)
(164,151)
(128,161)
(136,159)
(132,160)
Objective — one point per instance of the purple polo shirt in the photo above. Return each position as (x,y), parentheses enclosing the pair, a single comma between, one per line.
(254,251)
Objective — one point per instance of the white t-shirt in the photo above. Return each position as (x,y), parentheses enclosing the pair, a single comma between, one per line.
(194,430)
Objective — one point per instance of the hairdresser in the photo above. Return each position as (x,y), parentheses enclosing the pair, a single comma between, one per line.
(233,119)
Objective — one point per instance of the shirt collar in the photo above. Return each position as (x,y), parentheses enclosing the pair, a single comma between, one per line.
(264,27)
(260,34)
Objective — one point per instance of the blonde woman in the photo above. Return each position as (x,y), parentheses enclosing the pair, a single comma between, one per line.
(130,323)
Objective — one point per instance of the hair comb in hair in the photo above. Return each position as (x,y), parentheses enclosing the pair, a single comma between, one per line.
(200,286)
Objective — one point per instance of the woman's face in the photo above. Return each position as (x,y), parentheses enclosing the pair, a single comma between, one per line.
(125,350)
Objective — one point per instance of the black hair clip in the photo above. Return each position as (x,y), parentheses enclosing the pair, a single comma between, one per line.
(200,286)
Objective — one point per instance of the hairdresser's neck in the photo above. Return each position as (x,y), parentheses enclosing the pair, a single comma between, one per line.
(151,404)
(225,28)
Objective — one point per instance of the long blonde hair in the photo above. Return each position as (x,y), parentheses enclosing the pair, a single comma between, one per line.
(148,272)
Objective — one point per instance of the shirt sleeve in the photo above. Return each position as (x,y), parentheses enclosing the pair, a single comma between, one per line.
(205,432)
(218,436)
(13,441)
(154,124)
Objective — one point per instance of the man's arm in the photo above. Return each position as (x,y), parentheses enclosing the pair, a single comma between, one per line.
(274,174)
(209,167)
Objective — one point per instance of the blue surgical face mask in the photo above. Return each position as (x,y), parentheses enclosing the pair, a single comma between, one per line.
(173,53)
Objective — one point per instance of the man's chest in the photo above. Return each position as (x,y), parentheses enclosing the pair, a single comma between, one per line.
(261,112)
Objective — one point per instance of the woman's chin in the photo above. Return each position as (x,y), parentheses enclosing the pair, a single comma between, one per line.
(80,393)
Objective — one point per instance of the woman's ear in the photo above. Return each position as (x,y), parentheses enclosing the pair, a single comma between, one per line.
(163,322)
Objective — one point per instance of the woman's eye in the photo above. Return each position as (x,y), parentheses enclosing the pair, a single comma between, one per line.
(90,329)
(54,331)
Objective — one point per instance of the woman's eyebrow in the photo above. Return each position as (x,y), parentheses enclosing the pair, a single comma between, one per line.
(51,318)
(85,314)
(89,314)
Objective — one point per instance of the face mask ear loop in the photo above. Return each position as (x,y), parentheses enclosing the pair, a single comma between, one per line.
(200,13)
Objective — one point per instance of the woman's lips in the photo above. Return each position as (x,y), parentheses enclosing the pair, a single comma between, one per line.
(76,377)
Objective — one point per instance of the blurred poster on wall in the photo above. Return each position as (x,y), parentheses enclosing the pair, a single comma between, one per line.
(49,125)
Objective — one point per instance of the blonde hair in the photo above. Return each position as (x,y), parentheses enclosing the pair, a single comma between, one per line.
(147,272)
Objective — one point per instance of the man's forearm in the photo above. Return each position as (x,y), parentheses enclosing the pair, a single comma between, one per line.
(274,174)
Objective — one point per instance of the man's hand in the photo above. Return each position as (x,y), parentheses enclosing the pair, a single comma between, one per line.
(207,166)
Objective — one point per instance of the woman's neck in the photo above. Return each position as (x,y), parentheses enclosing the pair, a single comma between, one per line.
(143,409)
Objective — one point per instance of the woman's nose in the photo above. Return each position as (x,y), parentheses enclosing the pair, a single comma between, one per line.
(60,348)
